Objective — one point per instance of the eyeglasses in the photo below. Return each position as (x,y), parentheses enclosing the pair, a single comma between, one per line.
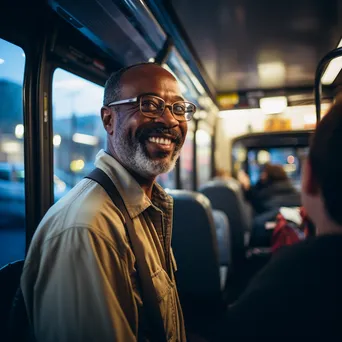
(153,107)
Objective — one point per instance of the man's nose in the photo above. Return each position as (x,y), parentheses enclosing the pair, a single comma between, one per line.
(167,118)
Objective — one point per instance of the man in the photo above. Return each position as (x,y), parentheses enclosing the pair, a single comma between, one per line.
(79,280)
(298,294)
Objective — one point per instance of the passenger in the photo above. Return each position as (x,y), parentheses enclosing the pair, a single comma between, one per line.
(222,174)
(273,190)
(298,294)
(80,280)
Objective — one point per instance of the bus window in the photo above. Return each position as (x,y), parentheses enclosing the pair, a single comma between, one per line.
(291,159)
(77,128)
(186,172)
(12,186)
(167,180)
(203,141)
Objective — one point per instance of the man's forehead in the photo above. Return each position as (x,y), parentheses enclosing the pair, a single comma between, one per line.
(148,79)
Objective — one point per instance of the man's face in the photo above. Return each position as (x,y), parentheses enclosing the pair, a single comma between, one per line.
(147,146)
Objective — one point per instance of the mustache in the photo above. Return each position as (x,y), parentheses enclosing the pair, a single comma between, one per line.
(145,132)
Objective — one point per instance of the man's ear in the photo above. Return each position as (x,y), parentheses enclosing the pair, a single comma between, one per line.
(309,182)
(107,119)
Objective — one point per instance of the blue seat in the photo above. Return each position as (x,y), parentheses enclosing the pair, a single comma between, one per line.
(227,196)
(194,243)
(223,237)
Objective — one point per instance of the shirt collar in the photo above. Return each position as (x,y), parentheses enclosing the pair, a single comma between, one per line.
(133,195)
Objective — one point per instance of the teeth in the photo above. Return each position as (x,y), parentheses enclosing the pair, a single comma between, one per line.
(161,141)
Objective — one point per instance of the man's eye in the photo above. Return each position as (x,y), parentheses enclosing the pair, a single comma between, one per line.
(179,109)
(149,106)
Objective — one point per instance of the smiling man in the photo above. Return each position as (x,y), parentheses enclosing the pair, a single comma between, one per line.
(80,279)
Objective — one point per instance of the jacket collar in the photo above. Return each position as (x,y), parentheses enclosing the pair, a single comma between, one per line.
(133,195)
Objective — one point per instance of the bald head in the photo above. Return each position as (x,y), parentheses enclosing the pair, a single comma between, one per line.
(131,74)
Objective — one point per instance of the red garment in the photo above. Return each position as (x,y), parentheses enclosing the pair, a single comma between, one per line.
(287,233)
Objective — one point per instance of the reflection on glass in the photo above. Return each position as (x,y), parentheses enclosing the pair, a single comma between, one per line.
(12,187)
(203,141)
(78,133)
(186,172)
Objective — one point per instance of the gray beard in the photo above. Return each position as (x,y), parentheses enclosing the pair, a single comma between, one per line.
(133,156)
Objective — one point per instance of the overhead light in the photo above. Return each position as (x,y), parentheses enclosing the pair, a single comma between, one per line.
(151,60)
(85,139)
(271,72)
(2,61)
(333,69)
(273,105)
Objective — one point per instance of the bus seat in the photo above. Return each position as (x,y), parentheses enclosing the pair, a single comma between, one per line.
(223,237)
(9,283)
(196,252)
(227,196)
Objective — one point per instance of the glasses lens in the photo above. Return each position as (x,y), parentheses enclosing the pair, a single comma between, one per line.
(184,111)
(152,106)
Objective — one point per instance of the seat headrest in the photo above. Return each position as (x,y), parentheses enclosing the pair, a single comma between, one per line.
(194,244)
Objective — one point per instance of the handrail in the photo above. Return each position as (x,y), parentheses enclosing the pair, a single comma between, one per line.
(322,65)
(163,54)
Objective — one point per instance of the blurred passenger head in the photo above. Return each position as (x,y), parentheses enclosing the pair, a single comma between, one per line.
(273,173)
(143,141)
(322,174)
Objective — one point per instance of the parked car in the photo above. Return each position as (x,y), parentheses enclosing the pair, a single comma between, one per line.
(12,195)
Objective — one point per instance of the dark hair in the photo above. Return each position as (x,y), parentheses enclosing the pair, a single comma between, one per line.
(275,173)
(112,86)
(326,161)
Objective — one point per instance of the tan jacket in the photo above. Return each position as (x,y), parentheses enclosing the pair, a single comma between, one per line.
(79,279)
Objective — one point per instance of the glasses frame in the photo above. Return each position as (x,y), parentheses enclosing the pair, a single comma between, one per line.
(138,100)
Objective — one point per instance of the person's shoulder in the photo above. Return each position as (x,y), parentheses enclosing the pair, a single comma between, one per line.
(86,205)
(303,260)
(313,247)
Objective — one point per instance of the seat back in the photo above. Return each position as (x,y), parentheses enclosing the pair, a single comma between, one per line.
(227,196)
(194,244)
(223,237)
(9,283)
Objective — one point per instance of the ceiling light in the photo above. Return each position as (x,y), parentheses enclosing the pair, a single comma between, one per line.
(273,105)
(273,71)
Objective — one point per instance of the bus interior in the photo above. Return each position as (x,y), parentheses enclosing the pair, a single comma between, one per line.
(249,66)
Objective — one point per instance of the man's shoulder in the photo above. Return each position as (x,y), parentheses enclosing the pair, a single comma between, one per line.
(86,205)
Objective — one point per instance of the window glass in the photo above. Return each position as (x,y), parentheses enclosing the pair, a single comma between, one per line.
(290,158)
(12,186)
(167,180)
(77,128)
(186,172)
(203,141)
